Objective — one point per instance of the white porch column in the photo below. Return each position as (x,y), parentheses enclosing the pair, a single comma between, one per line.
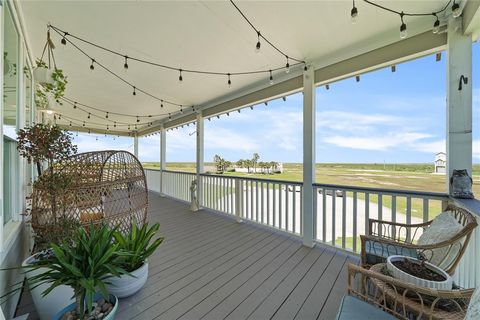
(135,145)
(163,156)
(459,102)
(308,156)
(200,156)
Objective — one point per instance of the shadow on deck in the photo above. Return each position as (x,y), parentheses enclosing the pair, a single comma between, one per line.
(211,267)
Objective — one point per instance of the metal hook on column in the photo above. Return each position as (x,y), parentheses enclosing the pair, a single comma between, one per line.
(463,81)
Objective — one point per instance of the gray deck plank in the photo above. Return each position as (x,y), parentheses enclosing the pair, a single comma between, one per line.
(324,267)
(270,305)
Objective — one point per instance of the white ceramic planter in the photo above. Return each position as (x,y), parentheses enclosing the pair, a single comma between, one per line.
(127,285)
(43,75)
(71,307)
(57,299)
(399,274)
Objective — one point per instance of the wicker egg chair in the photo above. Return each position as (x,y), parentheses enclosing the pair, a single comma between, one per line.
(102,186)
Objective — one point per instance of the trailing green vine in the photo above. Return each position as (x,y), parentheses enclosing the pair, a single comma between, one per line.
(56,89)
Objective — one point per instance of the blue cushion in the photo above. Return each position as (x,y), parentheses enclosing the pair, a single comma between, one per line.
(377,252)
(354,308)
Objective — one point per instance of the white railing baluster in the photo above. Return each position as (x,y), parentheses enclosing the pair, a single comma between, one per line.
(344,217)
(354,221)
(287,196)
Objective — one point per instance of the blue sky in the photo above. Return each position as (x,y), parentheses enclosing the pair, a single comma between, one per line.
(392,117)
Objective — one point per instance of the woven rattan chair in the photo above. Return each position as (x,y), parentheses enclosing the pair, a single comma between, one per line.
(394,298)
(389,238)
(105,187)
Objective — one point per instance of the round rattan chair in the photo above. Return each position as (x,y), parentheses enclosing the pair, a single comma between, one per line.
(93,187)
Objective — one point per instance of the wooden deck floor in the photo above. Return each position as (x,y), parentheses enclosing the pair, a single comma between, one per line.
(211,267)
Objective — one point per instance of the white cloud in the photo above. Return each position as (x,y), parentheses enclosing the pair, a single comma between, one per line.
(379,142)
(226,139)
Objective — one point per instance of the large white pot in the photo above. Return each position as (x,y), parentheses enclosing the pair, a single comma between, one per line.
(127,285)
(399,274)
(57,299)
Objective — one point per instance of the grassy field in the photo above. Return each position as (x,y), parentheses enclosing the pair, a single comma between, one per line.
(390,176)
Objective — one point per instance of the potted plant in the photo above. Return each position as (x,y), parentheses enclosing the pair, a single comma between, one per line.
(85,263)
(137,246)
(419,272)
(43,143)
(51,82)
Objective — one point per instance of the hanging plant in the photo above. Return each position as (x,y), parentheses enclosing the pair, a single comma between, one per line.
(50,79)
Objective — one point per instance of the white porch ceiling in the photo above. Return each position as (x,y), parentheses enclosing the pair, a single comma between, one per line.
(204,35)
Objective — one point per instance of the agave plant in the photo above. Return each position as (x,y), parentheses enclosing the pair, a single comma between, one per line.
(136,244)
(85,265)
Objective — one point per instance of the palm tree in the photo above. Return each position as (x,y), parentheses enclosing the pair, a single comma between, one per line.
(240,163)
(218,162)
(254,161)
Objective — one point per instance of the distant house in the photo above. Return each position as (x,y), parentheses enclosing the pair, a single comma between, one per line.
(441,162)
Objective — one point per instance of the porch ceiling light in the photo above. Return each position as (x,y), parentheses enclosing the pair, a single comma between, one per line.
(354,13)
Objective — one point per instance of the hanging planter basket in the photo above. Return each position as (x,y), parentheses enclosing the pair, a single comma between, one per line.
(43,76)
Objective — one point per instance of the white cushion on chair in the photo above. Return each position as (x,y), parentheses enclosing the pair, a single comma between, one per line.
(442,228)
(473,311)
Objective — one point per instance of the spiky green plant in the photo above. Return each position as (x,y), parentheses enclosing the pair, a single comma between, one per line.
(84,264)
(136,244)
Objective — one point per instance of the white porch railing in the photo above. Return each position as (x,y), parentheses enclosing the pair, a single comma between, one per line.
(177,184)
(341,212)
(273,203)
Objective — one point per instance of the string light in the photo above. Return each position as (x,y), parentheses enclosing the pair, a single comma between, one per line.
(287,66)
(284,98)
(75,105)
(456,11)
(239,110)
(181,109)
(357,78)
(84,123)
(161,104)
(70,123)
(114,124)
(229,82)
(138,120)
(169,117)
(327,87)
(134,91)
(164,66)
(394,68)
(91,66)
(251,107)
(88,116)
(258,45)
(403,27)
(438,56)
(354,13)
(218,117)
(64,41)
(266,103)
(125,65)
(436,24)
(271,77)
(106,115)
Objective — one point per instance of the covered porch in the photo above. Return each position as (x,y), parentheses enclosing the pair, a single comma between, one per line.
(257,248)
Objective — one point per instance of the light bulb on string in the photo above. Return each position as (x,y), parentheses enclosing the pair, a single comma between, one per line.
(456,11)
(169,117)
(125,65)
(403,27)
(106,115)
(305,68)
(114,124)
(257,47)
(138,120)
(91,65)
(229,82)
(436,24)
(134,91)
(64,41)
(180,78)
(161,103)
(287,66)
(83,124)
(74,105)
(271,77)
(88,117)
(354,13)
(181,109)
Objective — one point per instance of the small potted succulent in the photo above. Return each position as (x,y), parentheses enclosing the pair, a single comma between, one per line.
(85,263)
(138,246)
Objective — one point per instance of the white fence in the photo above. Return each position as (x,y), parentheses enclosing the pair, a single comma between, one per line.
(341,212)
